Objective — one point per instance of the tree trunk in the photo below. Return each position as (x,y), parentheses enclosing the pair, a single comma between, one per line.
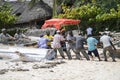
(54,7)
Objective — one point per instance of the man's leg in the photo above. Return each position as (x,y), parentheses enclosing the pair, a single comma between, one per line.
(90,54)
(85,54)
(68,53)
(96,54)
(77,52)
(61,53)
(73,49)
(104,52)
(55,52)
(111,51)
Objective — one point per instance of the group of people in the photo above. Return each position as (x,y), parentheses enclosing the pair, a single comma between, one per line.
(64,43)
(6,38)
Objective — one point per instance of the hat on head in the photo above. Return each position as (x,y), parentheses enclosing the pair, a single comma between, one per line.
(63,30)
(104,33)
(41,35)
(3,29)
(58,31)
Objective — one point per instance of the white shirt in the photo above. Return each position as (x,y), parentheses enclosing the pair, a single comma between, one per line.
(89,30)
(71,38)
(56,41)
(105,40)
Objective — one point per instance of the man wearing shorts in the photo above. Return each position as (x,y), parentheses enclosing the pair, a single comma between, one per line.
(92,42)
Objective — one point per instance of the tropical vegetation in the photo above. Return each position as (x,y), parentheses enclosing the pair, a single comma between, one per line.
(99,14)
(6,16)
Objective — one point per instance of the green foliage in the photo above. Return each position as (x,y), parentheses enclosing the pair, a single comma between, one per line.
(86,13)
(98,14)
(118,14)
(70,27)
(6,18)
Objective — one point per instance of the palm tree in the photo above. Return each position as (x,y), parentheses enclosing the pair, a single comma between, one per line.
(54,8)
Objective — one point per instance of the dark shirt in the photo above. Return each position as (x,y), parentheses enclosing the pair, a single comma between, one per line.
(80,42)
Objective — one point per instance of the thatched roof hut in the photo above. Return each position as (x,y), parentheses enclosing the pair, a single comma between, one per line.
(34,16)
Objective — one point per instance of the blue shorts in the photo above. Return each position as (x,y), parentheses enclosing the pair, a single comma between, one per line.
(94,51)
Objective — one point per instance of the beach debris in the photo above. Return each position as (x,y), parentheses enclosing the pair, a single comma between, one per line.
(55,62)
(19,69)
(3,71)
(51,71)
(49,64)
(35,66)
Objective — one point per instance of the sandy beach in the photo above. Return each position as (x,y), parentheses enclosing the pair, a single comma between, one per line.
(60,70)
(31,32)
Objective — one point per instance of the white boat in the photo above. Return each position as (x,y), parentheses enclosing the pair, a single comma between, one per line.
(30,54)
